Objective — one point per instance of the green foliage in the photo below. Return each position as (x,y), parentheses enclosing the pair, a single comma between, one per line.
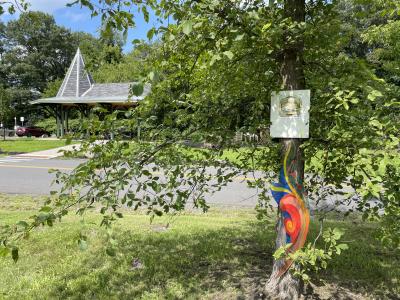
(34,63)
(6,112)
(50,125)
(129,68)
(52,88)
(312,259)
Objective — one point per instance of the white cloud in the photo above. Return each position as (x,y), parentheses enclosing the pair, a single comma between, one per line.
(75,17)
(49,6)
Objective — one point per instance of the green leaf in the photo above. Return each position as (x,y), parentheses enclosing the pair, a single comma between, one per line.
(228,54)
(137,89)
(72,3)
(46,209)
(146,173)
(215,58)
(305,277)
(111,251)
(171,37)
(145,14)
(343,246)
(376,124)
(4,251)
(23,224)
(374,94)
(266,27)
(239,37)
(281,251)
(150,33)
(83,245)
(187,27)
(14,254)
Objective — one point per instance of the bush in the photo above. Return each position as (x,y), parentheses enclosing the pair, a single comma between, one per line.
(50,125)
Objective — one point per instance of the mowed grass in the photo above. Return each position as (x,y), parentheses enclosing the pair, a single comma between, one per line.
(224,254)
(25,145)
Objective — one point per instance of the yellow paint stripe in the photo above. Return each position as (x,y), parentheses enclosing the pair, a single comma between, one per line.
(280,189)
(286,175)
(34,167)
(239,178)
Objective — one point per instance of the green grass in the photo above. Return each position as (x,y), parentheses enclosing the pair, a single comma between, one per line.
(225,254)
(29,145)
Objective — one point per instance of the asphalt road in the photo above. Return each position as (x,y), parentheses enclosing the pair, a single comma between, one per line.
(32,176)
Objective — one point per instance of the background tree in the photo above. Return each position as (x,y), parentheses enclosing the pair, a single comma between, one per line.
(6,112)
(37,51)
(113,40)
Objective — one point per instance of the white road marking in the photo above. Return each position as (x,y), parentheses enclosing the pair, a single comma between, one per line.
(15,158)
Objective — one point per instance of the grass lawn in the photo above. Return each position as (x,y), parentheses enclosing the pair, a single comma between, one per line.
(225,254)
(25,145)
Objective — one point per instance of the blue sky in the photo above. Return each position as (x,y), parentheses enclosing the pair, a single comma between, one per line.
(78,19)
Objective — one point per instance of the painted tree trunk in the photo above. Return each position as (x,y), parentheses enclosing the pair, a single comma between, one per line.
(285,286)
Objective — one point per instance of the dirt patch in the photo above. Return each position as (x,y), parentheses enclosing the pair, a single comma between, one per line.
(331,291)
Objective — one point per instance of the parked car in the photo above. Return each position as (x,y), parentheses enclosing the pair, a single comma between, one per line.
(32,131)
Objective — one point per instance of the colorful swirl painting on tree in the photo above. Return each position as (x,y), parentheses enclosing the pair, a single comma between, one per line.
(289,194)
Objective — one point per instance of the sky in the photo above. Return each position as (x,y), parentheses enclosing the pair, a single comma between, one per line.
(78,19)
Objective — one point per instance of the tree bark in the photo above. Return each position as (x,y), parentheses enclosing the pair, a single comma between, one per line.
(292,73)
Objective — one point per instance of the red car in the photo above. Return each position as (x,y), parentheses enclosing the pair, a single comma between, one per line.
(32,131)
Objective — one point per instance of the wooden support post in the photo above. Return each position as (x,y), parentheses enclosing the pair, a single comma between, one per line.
(112,133)
(57,111)
(138,129)
(61,121)
(67,120)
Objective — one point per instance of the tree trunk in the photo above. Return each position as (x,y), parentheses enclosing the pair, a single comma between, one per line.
(286,286)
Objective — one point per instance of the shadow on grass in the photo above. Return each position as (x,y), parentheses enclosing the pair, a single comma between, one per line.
(10,152)
(230,262)
(366,268)
(233,262)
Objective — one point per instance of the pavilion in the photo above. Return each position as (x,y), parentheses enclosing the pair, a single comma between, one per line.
(79,90)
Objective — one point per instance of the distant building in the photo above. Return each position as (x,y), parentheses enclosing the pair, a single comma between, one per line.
(79,90)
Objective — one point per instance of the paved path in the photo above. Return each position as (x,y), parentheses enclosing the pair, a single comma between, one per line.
(38,155)
(47,154)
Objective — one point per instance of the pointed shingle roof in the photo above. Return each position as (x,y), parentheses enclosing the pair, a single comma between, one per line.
(78,80)
(79,87)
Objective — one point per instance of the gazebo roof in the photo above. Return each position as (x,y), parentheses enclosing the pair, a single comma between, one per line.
(78,87)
